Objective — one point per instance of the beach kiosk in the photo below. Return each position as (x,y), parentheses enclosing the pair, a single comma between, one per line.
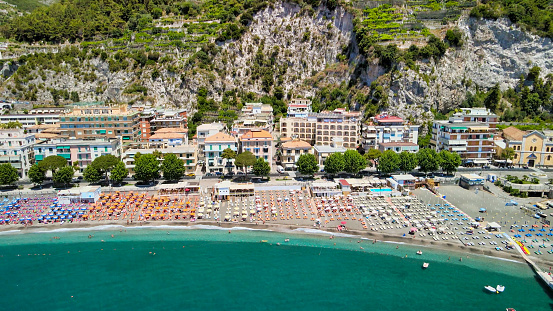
(493,226)
(88,194)
(471,181)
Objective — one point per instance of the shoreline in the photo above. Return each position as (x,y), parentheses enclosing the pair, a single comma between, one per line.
(283,228)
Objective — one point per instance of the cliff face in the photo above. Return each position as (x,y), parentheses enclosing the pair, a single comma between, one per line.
(299,52)
(493,52)
(305,43)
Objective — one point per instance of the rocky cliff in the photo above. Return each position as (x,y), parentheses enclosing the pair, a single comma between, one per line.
(298,48)
(493,52)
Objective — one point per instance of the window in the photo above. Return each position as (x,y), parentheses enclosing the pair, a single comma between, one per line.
(548,158)
(95,148)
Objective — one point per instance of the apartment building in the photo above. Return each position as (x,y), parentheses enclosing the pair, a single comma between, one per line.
(28,120)
(205,130)
(214,146)
(78,152)
(399,147)
(152,121)
(16,148)
(258,142)
(321,152)
(340,124)
(85,122)
(169,137)
(532,148)
(387,129)
(300,128)
(321,128)
(299,108)
(187,153)
(472,140)
(291,151)
(479,115)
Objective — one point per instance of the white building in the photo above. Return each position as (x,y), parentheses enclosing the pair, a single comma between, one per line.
(299,108)
(205,130)
(16,148)
(28,120)
(77,151)
(169,137)
(214,147)
(385,129)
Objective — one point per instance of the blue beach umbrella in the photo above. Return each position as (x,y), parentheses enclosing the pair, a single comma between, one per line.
(542,230)
(528,234)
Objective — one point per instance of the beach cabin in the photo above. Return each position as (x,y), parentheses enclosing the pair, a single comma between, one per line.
(405,181)
(226,189)
(321,188)
(345,185)
(493,226)
(88,194)
(471,181)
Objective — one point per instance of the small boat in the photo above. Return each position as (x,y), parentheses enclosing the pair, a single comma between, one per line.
(500,288)
(491,289)
(286,240)
(419,253)
(425,265)
(510,309)
(264,241)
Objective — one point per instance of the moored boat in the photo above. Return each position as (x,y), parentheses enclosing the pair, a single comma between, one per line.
(500,288)
(425,265)
(419,252)
(491,289)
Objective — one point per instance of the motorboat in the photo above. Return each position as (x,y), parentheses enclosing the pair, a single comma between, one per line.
(491,289)
(419,252)
(500,288)
(425,265)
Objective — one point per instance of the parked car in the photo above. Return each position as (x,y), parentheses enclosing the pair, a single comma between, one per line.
(240,173)
(209,175)
(525,167)
(486,167)
(191,175)
(218,174)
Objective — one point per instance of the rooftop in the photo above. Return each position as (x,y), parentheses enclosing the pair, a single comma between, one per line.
(172,130)
(210,126)
(220,137)
(43,126)
(256,134)
(296,144)
(404,177)
(398,144)
(167,136)
(388,118)
(512,133)
(328,149)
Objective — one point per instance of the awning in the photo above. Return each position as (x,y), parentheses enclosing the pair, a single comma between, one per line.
(532,156)
(481,161)
(458,128)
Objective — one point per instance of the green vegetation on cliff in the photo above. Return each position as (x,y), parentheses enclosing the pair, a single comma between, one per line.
(531,15)
(77,20)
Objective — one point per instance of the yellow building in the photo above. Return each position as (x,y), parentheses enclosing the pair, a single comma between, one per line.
(532,148)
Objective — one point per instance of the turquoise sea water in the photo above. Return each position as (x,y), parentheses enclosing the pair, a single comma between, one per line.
(214,270)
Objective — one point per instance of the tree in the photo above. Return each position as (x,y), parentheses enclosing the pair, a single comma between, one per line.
(245,160)
(334,163)
(172,167)
(508,153)
(372,155)
(449,161)
(261,167)
(354,162)
(52,163)
(407,161)
(37,175)
(307,164)
(388,162)
(228,154)
(8,174)
(64,175)
(119,172)
(146,168)
(492,99)
(428,160)
(91,174)
(105,163)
